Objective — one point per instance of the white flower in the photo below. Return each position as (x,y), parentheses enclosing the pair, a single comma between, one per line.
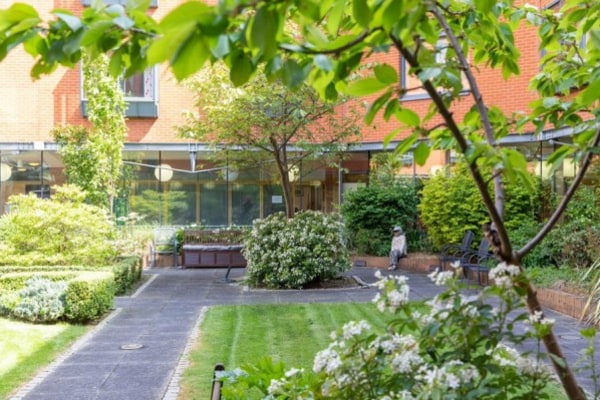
(276,387)
(440,278)
(354,328)
(293,372)
(327,360)
(538,318)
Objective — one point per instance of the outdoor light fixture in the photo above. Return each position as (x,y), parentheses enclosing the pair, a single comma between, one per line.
(5,172)
(193,152)
(163,172)
(293,173)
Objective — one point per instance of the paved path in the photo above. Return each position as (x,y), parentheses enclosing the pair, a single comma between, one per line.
(163,318)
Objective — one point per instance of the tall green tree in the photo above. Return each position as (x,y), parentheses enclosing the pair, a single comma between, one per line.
(441,42)
(267,121)
(93,157)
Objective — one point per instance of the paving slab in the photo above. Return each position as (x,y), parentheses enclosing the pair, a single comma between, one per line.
(163,318)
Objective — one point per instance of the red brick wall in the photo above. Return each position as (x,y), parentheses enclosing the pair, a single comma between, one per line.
(29,109)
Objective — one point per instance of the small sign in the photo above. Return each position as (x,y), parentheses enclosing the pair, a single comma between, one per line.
(276,199)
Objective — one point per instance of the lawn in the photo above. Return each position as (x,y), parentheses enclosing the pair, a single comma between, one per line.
(25,348)
(235,335)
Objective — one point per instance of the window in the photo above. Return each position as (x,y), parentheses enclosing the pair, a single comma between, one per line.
(141,95)
(153,3)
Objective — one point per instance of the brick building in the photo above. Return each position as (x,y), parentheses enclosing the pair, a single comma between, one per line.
(29,161)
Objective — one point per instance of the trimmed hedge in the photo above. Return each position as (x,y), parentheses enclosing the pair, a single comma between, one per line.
(15,281)
(89,296)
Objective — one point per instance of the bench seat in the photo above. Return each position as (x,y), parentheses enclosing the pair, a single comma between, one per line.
(195,253)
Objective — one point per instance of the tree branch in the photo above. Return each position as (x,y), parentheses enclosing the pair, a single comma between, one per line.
(497,219)
(563,203)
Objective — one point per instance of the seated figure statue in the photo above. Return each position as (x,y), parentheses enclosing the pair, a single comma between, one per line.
(398,249)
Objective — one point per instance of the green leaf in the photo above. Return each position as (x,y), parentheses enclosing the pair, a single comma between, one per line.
(365,87)
(406,143)
(124,22)
(334,18)
(222,47)
(190,56)
(189,12)
(323,62)
(241,69)
(421,153)
(590,93)
(293,74)
(264,31)
(385,73)
(376,106)
(72,21)
(16,13)
(589,333)
(408,117)
(94,31)
(361,12)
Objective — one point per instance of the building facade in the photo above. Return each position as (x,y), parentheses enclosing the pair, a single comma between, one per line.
(173,180)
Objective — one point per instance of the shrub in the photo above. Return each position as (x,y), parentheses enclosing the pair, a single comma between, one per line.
(370,213)
(459,347)
(60,230)
(451,204)
(126,272)
(41,300)
(289,253)
(89,296)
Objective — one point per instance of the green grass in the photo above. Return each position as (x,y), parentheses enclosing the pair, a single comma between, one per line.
(240,334)
(235,335)
(25,348)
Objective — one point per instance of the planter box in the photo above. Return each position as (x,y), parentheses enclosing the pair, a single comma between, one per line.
(416,262)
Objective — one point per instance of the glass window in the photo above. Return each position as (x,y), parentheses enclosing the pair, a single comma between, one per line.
(140,86)
(245,204)
(273,202)
(213,204)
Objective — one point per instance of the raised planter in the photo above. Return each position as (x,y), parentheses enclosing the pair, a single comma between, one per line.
(416,262)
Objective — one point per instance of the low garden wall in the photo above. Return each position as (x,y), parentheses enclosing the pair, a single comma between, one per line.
(557,300)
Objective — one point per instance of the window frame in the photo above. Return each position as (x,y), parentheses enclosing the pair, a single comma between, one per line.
(137,107)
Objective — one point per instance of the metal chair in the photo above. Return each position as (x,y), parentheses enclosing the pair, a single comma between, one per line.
(455,252)
(478,261)
(164,242)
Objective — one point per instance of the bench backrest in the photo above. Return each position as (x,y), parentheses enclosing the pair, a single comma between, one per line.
(212,236)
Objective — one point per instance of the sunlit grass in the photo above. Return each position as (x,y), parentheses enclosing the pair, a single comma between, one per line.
(25,348)
(235,335)
(240,334)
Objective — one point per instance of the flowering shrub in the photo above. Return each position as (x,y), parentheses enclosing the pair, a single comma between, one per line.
(289,253)
(455,348)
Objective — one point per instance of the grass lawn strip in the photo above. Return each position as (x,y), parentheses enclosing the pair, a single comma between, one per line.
(238,334)
(26,347)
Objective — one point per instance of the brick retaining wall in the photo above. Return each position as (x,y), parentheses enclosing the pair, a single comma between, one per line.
(562,302)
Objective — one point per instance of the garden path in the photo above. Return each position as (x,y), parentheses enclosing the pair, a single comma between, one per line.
(163,317)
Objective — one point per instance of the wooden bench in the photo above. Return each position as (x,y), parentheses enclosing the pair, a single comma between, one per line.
(212,248)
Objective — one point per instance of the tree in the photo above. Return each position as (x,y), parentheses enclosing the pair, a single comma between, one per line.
(93,157)
(263,120)
(440,42)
